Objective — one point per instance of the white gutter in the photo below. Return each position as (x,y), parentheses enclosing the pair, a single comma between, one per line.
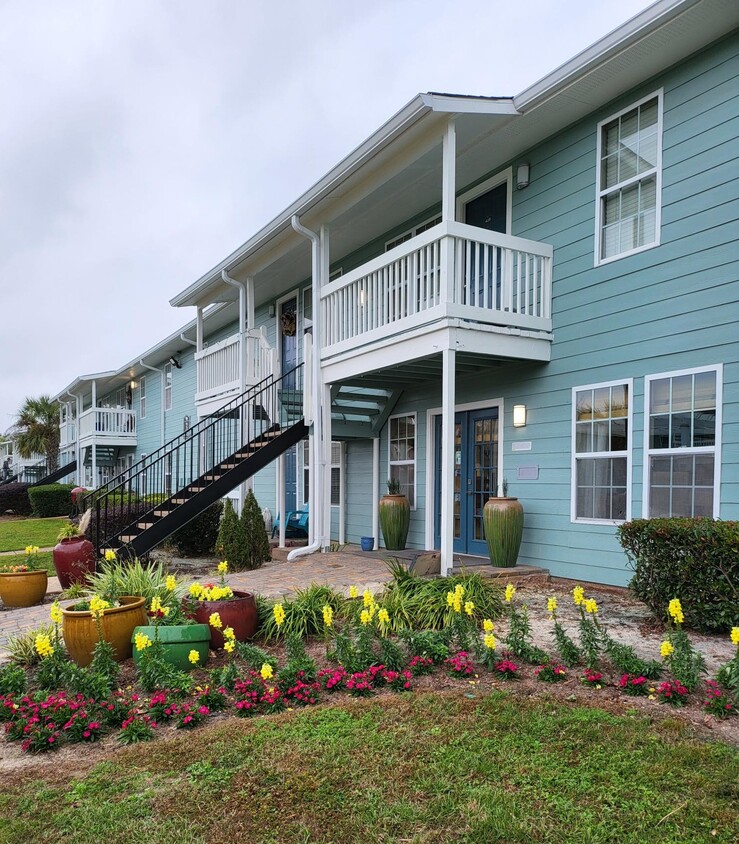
(317,451)
(188,340)
(161,375)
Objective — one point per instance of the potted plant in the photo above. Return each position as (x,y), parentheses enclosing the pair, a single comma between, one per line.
(219,606)
(109,618)
(395,516)
(74,556)
(502,518)
(23,585)
(172,632)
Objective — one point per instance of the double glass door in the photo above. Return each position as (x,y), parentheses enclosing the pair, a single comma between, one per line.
(475,477)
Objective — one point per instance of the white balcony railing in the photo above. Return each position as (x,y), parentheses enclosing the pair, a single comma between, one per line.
(452,270)
(106,422)
(67,433)
(218,366)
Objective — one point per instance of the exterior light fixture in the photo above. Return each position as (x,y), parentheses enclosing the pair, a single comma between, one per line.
(522,176)
(175,363)
(519,415)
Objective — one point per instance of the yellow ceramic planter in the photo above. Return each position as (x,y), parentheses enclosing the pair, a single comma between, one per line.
(81,633)
(23,588)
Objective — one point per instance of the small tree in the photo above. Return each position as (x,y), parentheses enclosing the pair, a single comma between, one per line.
(36,430)
(257,550)
(230,543)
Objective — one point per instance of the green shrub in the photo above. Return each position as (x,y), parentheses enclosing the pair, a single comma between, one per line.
(51,500)
(230,540)
(695,560)
(257,550)
(199,536)
(14,497)
(303,613)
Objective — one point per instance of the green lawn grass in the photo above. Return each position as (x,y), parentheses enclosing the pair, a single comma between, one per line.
(43,561)
(423,768)
(16,534)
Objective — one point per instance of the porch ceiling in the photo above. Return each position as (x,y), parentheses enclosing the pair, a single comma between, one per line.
(423,370)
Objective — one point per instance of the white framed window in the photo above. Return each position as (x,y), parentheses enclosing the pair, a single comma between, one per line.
(407,235)
(337,273)
(337,472)
(683,443)
(629,180)
(402,456)
(601,452)
(168,386)
(142,397)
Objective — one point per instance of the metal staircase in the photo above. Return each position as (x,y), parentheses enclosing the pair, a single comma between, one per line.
(147,503)
(57,474)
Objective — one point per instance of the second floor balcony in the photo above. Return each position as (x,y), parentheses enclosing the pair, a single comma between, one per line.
(107,426)
(452,275)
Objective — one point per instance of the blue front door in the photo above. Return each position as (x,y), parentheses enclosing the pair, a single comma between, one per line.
(289,358)
(475,477)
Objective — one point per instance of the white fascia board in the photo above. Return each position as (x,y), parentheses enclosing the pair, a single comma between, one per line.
(394,127)
(636,28)
(453,104)
(79,381)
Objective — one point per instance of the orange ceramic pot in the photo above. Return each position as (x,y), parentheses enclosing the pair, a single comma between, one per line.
(81,633)
(23,588)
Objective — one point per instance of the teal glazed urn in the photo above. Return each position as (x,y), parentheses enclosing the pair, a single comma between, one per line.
(395,518)
(502,520)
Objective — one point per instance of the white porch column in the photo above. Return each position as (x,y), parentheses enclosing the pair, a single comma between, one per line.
(93,445)
(281,498)
(376,490)
(79,454)
(326,459)
(448,210)
(447,460)
(342,493)
(199,330)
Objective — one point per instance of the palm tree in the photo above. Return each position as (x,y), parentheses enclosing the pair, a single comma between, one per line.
(37,430)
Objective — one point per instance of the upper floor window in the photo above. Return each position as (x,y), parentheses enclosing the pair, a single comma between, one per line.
(629,180)
(683,441)
(168,386)
(602,452)
(425,226)
(142,397)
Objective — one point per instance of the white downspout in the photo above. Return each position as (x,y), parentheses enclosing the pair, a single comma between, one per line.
(161,376)
(93,446)
(188,340)
(317,454)
(77,474)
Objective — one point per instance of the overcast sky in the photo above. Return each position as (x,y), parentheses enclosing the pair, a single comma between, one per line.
(141,141)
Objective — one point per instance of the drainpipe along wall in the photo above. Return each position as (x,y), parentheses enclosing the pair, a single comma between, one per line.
(317,450)
(161,378)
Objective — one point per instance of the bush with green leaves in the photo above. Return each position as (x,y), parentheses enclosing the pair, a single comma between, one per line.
(256,550)
(199,536)
(51,500)
(697,559)
(123,577)
(230,539)
(14,498)
(303,612)
(12,680)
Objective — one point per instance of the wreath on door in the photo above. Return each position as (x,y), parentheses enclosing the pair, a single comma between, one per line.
(287,321)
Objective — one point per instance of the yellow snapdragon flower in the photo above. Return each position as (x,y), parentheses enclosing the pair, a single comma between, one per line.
(489,642)
(510,591)
(368,598)
(278,610)
(353,592)
(142,641)
(578,595)
(552,605)
(591,606)
(383,616)
(266,671)
(56,613)
(32,550)
(229,646)
(196,590)
(735,636)
(171,583)
(43,645)
(676,611)
(223,567)
(666,649)
(194,657)
(328,615)
(110,555)
(469,607)
(488,626)
(98,606)
(228,633)
(215,620)
(365,617)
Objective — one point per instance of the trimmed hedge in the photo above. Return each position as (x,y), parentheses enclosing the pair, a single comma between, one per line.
(117,518)
(51,500)
(15,497)
(695,560)
(198,537)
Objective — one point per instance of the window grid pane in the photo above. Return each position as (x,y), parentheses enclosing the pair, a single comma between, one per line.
(402,462)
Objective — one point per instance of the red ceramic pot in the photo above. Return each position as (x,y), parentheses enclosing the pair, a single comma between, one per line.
(240,612)
(74,560)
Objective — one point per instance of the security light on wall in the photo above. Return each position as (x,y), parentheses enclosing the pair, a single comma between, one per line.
(519,415)
(522,176)
(175,363)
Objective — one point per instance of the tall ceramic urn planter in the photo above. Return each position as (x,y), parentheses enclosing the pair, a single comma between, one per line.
(502,519)
(395,517)
(74,560)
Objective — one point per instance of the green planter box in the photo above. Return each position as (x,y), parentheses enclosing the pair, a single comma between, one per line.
(177,641)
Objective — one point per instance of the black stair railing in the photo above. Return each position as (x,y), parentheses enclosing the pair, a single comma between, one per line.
(190,461)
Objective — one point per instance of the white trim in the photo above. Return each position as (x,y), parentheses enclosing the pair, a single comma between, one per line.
(168,376)
(142,396)
(657,172)
(629,453)
(493,182)
(297,294)
(414,414)
(431,412)
(718,368)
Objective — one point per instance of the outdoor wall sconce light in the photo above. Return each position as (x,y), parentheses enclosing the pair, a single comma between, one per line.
(175,363)
(519,415)
(132,385)
(522,176)
(271,311)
